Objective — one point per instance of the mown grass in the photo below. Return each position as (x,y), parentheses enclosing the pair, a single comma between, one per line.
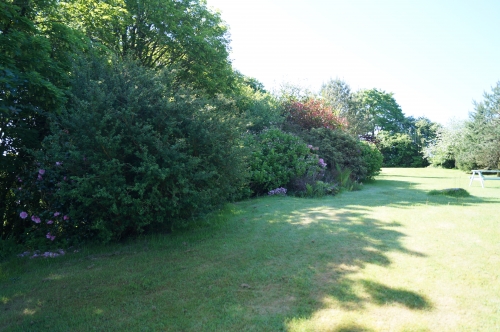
(386,258)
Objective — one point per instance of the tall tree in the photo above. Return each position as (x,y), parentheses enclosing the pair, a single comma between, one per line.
(337,93)
(380,111)
(483,133)
(159,33)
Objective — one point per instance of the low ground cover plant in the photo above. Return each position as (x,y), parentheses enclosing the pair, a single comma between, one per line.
(453,192)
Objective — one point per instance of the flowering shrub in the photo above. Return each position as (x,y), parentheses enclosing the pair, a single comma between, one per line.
(277,191)
(129,154)
(339,149)
(313,113)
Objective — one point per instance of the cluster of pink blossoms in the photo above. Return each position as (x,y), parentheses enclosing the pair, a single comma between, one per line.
(37,220)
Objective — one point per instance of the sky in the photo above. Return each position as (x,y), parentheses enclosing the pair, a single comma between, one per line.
(435,56)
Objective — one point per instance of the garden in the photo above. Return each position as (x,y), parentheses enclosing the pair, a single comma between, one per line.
(146,184)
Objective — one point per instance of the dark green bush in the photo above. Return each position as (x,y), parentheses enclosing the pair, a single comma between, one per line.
(342,151)
(372,159)
(130,154)
(277,158)
(399,151)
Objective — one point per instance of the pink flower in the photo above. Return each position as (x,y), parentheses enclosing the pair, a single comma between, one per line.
(50,222)
(23,215)
(66,217)
(36,219)
(56,214)
(41,171)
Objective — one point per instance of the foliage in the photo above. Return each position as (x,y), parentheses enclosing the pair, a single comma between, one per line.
(337,94)
(380,111)
(36,52)
(453,192)
(399,150)
(339,149)
(422,131)
(313,113)
(131,154)
(482,135)
(277,158)
(260,109)
(161,33)
(372,158)
(449,141)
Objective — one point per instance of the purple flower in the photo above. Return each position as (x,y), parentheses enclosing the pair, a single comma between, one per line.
(50,222)
(41,171)
(66,217)
(50,236)
(56,214)
(39,177)
(322,163)
(36,219)
(58,163)
(23,215)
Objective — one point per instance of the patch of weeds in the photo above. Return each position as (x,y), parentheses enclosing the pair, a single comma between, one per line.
(453,192)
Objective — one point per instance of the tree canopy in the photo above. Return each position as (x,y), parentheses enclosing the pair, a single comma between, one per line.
(159,33)
(379,111)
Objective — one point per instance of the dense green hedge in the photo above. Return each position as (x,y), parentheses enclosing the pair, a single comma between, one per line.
(129,154)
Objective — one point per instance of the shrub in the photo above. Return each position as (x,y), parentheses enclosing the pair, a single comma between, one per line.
(277,158)
(313,113)
(130,154)
(372,159)
(399,150)
(342,151)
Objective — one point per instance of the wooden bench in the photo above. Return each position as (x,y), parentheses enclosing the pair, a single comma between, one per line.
(480,177)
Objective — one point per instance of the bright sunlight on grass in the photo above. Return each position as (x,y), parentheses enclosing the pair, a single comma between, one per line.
(387,258)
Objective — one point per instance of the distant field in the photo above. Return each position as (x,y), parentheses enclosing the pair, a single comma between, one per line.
(387,258)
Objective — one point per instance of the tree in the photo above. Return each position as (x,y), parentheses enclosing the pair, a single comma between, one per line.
(161,33)
(339,97)
(447,145)
(399,150)
(35,56)
(379,111)
(482,137)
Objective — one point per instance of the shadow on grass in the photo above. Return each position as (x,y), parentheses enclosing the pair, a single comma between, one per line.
(383,295)
(276,260)
(403,193)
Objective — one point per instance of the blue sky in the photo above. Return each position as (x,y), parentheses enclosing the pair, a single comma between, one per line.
(435,56)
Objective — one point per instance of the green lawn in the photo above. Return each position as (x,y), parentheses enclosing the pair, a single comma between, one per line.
(387,258)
